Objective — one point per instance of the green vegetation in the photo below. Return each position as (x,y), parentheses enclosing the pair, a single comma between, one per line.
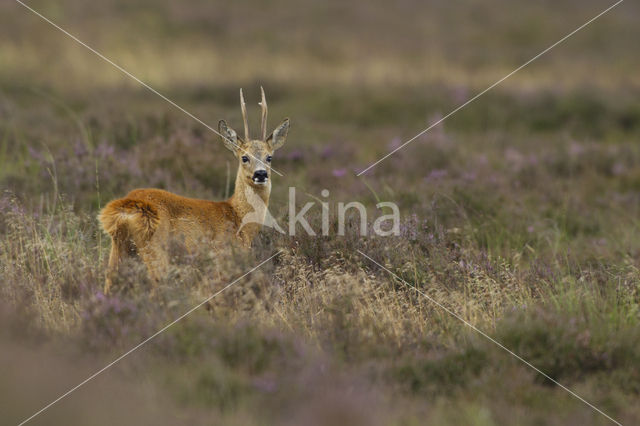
(520,213)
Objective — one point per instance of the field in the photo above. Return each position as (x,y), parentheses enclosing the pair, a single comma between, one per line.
(520,213)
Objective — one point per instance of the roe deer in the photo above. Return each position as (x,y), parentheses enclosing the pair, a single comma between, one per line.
(145,220)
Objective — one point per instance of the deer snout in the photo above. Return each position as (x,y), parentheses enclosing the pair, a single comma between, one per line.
(260,176)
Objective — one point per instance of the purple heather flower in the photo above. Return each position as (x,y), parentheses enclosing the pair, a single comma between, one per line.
(437,174)
(514,157)
(36,155)
(105,150)
(575,149)
(394,143)
(469,176)
(482,160)
(295,155)
(618,169)
(80,149)
(327,151)
(265,385)
(460,94)
(339,172)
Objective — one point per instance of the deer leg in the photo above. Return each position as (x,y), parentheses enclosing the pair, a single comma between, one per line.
(122,246)
(157,261)
(112,268)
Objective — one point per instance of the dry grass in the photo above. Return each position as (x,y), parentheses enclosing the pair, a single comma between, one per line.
(520,214)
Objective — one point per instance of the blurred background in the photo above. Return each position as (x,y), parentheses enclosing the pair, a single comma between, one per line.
(520,212)
(357,80)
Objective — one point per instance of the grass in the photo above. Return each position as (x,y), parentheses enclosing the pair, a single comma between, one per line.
(519,213)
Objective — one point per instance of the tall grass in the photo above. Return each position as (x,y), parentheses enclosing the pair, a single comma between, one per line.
(519,214)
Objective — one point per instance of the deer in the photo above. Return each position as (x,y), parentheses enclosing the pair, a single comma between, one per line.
(143,223)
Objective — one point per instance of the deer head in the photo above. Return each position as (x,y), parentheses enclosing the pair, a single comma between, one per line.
(254,155)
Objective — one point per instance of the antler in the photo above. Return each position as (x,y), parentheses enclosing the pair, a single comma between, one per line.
(263,125)
(243,105)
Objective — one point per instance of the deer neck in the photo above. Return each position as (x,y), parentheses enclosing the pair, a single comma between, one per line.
(250,199)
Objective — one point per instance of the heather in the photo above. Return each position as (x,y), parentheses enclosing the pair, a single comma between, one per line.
(519,214)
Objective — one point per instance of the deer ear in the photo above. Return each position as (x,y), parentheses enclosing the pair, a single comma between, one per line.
(229,136)
(277,138)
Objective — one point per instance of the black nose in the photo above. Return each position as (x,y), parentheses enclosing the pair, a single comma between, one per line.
(260,175)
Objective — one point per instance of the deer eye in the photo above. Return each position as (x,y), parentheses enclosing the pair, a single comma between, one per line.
(245,159)
(269,158)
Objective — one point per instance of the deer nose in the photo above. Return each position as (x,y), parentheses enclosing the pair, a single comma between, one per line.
(260,175)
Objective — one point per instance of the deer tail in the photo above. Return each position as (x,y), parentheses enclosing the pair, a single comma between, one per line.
(135,219)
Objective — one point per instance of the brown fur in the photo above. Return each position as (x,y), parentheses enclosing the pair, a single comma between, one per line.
(146,220)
